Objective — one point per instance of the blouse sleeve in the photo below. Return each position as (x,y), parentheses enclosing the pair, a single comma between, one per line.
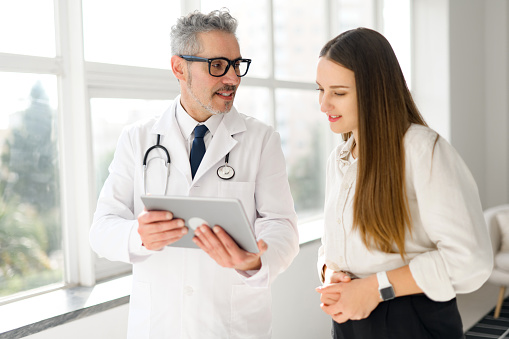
(451,214)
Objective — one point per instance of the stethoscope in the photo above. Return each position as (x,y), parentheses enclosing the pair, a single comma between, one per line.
(225,172)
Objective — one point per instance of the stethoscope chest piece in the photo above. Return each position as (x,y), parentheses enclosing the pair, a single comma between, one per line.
(225,172)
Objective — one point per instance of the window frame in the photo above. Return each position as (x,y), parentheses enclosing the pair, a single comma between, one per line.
(80,81)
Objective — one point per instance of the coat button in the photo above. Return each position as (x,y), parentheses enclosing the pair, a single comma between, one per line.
(188,290)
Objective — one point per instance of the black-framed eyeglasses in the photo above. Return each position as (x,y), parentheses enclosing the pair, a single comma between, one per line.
(220,66)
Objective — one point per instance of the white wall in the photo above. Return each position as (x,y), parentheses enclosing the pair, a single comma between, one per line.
(497,102)
(461,85)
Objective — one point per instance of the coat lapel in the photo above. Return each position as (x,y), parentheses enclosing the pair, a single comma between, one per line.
(222,142)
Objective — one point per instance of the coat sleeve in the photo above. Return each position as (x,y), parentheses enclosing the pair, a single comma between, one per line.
(451,214)
(276,223)
(114,227)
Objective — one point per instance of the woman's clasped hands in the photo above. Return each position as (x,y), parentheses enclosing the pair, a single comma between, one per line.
(344,298)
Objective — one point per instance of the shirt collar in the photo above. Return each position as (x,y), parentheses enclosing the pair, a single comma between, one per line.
(187,124)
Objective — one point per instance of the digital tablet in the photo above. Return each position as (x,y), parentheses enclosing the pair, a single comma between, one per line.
(195,211)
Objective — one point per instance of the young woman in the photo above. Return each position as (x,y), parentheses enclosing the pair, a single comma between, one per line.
(404,227)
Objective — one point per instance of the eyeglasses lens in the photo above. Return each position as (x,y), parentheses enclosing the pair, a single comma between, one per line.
(218,67)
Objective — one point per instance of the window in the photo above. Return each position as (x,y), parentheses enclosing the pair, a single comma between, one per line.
(396,28)
(31,253)
(138,35)
(109,117)
(60,120)
(31,22)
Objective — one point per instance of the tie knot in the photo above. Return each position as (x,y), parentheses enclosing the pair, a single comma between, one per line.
(200,130)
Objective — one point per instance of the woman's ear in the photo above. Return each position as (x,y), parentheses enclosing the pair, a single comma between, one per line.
(178,66)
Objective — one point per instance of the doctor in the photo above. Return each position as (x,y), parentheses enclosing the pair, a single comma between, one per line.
(218,291)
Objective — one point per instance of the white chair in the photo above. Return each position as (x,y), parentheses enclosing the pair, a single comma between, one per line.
(499,235)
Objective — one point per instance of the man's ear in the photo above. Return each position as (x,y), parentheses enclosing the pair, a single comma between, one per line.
(178,66)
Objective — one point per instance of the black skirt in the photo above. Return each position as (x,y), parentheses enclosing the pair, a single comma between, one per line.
(408,317)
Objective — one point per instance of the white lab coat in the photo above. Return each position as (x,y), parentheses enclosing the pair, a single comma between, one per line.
(182,293)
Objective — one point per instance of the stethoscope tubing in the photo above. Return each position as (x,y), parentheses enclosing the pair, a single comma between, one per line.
(225,172)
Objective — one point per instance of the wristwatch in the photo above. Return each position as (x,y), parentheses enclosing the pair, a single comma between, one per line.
(384,287)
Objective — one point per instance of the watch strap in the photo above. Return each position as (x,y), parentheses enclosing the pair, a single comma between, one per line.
(384,287)
(383,280)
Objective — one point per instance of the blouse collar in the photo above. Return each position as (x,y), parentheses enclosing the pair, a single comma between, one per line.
(344,154)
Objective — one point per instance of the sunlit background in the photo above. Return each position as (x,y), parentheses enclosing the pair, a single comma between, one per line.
(125,77)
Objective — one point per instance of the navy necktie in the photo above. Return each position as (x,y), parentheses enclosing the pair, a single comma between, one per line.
(198,148)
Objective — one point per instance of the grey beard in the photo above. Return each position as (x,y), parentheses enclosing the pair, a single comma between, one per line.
(209,108)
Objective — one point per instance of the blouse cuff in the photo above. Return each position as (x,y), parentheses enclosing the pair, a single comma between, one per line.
(430,274)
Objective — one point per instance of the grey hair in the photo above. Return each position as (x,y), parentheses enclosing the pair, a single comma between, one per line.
(184,35)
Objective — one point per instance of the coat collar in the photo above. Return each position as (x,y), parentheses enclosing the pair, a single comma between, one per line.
(232,121)
(221,144)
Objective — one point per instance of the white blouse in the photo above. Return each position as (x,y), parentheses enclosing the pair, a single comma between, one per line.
(449,249)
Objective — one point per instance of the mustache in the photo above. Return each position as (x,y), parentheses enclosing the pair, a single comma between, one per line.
(228,88)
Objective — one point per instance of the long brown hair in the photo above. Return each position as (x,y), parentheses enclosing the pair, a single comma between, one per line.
(385,111)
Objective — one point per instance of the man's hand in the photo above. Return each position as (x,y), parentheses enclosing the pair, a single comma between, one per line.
(158,229)
(223,249)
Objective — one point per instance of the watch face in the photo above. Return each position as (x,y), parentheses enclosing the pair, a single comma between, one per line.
(387,293)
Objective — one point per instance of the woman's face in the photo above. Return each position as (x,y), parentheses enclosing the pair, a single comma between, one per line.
(338,96)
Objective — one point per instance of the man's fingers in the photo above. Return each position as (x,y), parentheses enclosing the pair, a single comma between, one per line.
(148,217)
(212,244)
(161,226)
(157,241)
(228,243)
(262,247)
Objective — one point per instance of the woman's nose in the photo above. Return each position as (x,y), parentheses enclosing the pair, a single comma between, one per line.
(325,105)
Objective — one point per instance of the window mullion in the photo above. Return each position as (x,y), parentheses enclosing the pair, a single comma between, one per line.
(75,144)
